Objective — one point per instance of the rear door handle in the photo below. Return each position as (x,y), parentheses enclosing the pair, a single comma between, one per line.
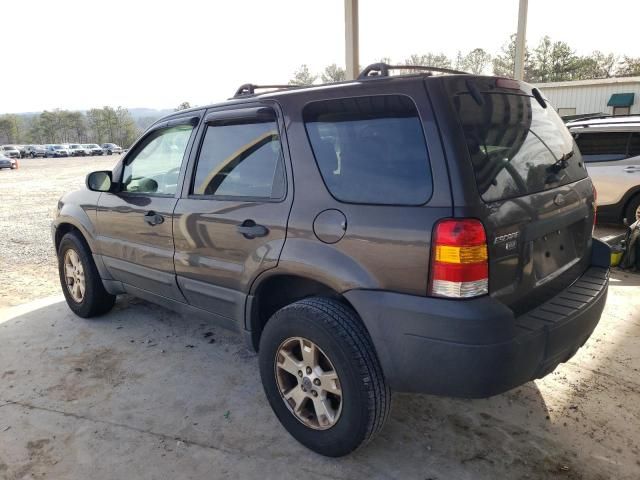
(632,168)
(153,218)
(249,229)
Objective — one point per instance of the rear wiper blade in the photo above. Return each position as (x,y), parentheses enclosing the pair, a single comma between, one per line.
(561,163)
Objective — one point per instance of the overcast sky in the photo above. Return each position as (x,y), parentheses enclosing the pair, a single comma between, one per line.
(80,54)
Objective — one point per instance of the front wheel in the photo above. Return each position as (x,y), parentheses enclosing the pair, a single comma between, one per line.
(79,278)
(322,377)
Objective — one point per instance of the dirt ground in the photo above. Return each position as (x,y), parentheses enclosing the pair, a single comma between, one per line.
(145,393)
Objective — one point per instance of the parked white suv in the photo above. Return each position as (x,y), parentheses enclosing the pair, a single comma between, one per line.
(610,148)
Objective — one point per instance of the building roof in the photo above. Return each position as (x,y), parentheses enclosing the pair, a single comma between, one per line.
(589,83)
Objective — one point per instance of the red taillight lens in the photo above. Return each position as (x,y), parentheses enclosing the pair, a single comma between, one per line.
(595,206)
(459,260)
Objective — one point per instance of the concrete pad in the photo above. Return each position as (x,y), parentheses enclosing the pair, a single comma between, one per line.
(144,393)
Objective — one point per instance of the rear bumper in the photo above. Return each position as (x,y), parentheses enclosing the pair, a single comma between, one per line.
(478,348)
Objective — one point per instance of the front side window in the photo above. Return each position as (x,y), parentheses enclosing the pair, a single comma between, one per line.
(602,146)
(241,160)
(155,165)
(370,149)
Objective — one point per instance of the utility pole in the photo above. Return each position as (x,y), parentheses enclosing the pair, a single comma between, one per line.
(521,40)
(352,49)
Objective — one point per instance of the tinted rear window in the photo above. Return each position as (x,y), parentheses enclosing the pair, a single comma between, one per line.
(602,146)
(370,149)
(516,145)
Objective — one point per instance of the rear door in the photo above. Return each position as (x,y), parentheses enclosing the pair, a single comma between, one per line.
(529,187)
(230,224)
(613,160)
(135,223)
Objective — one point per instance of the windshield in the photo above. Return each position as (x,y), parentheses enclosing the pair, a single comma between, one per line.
(58,147)
(516,146)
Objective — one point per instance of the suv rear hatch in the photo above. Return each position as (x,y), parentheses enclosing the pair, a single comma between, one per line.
(523,177)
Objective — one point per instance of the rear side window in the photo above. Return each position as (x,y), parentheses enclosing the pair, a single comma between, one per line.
(370,149)
(603,146)
(241,160)
(634,145)
(516,146)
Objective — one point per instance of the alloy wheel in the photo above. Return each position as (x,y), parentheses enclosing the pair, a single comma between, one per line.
(74,275)
(308,383)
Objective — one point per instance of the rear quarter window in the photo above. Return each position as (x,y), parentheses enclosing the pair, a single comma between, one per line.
(370,149)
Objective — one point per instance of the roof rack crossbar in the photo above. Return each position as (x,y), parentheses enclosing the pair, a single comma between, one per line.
(250,89)
(382,70)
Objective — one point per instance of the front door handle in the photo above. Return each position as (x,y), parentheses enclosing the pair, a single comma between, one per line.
(632,168)
(153,218)
(249,229)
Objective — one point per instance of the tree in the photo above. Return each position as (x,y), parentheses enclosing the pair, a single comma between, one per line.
(10,128)
(629,67)
(182,106)
(439,60)
(303,76)
(476,61)
(333,73)
(504,64)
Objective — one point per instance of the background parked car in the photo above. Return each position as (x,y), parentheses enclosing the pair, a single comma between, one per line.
(94,149)
(34,151)
(56,151)
(22,150)
(77,150)
(110,148)
(11,151)
(6,162)
(610,148)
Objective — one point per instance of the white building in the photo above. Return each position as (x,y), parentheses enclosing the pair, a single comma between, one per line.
(614,96)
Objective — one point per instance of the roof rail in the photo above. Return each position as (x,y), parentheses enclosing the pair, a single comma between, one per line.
(382,70)
(250,89)
(608,117)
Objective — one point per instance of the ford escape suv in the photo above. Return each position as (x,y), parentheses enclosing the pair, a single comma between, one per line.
(426,233)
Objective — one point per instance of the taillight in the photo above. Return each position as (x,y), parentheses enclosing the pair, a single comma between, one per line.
(459,261)
(595,207)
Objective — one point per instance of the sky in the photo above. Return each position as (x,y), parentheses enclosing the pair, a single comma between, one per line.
(82,54)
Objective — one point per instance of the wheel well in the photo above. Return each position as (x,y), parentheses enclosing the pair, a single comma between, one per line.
(280,291)
(632,195)
(63,229)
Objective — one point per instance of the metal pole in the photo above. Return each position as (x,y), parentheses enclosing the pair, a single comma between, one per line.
(352,52)
(521,40)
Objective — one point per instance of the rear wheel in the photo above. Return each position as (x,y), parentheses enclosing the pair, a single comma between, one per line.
(79,278)
(632,212)
(321,376)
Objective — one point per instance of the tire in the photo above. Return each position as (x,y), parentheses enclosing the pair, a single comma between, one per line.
(95,300)
(632,212)
(32,155)
(340,336)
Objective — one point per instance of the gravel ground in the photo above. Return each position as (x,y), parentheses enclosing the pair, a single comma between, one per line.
(145,393)
(28,197)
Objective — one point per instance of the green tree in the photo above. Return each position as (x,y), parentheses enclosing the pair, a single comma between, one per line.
(629,67)
(333,73)
(183,106)
(303,76)
(439,60)
(504,64)
(11,128)
(476,61)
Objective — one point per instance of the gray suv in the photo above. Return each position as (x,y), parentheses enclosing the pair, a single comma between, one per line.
(412,233)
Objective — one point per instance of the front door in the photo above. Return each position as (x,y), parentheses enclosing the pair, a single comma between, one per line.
(230,224)
(134,223)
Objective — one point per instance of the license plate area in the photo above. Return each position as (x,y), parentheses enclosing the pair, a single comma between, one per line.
(554,252)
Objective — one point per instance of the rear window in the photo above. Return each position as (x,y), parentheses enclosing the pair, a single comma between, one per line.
(516,146)
(370,149)
(602,146)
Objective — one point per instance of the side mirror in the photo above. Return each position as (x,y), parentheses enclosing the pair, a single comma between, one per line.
(99,181)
